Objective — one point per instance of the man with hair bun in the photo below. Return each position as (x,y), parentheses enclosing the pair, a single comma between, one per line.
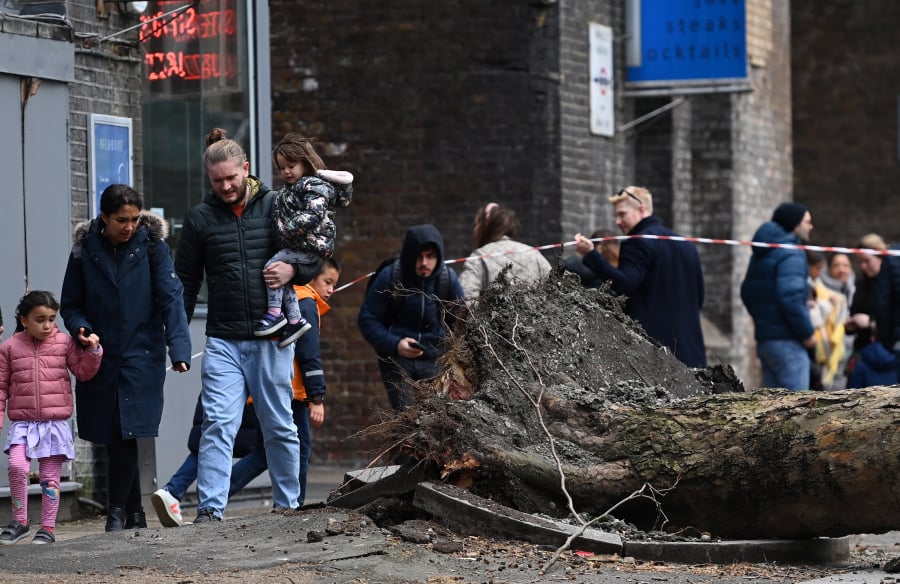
(775,292)
(227,239)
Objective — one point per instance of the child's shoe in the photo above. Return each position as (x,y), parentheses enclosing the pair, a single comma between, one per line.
(43,536)
(269,324)
(13,532)
(292,332)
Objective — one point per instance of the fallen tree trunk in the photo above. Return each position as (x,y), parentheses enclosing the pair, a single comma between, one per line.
(764,464)
(752,465)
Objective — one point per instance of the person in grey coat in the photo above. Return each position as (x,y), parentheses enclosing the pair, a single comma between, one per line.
(495,232)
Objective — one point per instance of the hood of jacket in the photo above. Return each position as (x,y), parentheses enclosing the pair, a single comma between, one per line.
(157,227)
(771,232)
(417,237)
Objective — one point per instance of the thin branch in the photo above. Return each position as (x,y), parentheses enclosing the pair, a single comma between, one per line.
(536,404)
(647,491)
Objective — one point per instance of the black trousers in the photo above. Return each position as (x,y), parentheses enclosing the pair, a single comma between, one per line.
(123,472)
(397,372)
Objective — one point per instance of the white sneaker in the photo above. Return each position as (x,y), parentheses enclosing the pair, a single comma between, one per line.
(167,507)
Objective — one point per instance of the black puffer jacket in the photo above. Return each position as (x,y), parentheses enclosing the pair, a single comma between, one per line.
(244,442)
(233,252)
(887,301)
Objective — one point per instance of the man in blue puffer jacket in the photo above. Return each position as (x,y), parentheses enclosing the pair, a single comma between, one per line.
(406,327)
(775,294)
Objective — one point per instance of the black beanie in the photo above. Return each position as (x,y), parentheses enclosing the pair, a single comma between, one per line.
(789,215)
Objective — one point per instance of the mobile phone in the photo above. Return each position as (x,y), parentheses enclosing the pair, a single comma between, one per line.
(416,345)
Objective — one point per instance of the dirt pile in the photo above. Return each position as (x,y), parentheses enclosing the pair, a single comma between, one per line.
(531,380)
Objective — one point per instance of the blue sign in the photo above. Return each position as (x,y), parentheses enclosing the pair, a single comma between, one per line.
(111,154)
(678,42)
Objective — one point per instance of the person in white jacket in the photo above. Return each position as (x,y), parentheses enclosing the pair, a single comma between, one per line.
(495,231)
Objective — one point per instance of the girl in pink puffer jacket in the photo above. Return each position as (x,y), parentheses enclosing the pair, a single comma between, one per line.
(35,385)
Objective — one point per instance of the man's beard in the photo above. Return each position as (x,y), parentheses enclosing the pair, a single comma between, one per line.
(243,194)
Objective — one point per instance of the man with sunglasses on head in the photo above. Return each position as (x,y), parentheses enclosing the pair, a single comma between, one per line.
(662,279)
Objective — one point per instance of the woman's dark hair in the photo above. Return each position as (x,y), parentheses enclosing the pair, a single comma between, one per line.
(833,255)
(814,257)
(492,222)
(32,300)
(116,196)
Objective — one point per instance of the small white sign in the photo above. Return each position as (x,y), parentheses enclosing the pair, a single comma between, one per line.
(601,80)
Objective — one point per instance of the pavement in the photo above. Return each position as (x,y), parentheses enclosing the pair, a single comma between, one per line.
(340,545)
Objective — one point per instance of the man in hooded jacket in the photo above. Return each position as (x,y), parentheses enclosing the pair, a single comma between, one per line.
(406,326)
(775,292)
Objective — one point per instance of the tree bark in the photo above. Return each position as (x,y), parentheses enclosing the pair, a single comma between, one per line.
(766,464)
(618,411)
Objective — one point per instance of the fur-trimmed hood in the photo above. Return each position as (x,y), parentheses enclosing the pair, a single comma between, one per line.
(156,225)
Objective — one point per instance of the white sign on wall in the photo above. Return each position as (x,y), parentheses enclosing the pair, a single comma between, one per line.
(601,80)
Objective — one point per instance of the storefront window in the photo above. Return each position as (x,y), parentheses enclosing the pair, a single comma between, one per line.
(196,78)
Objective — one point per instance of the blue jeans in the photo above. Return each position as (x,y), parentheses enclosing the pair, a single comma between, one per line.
(785,364)
(186,474)
(253,465)
(231,370)
(184,477)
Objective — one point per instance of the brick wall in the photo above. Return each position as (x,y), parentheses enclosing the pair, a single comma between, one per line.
(763,167)
(592,167)
(439,107)
(107,81)
(846,84)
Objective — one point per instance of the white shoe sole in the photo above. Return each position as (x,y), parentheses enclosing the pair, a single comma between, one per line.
(17,540)
(272,329)
(165,514)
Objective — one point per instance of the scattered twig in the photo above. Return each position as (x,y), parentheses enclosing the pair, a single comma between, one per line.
(647,491)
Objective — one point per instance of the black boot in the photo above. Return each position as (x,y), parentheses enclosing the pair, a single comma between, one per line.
(136,520)
(115,519)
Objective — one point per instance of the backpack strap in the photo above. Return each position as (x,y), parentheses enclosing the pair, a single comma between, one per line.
(442,289)
(443,285)
(395,283)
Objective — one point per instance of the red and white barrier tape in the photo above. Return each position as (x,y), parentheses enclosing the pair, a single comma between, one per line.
(710,240)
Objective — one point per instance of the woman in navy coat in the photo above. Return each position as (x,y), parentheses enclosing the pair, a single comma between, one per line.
(120,283)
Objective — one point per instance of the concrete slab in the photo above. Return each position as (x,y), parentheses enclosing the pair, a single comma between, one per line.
(355,479)
(399,482)
(823,551)
(466,513)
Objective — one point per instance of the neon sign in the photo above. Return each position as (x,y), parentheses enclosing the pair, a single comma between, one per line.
(197,44)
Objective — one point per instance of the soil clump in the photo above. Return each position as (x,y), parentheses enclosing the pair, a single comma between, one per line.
(527,385)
